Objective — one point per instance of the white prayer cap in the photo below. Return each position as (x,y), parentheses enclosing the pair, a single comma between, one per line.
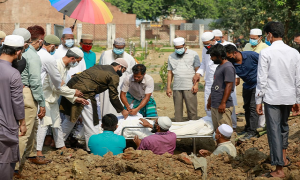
(87,36)
(77,51)
(207,36)
(14,41)
(217,32)
(22,32)
(164,122)
(178,41)
(225,130)
(67,31)
(122,62)
(256,32)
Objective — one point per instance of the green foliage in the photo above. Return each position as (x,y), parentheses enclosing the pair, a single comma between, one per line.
(152,9)
(241,16)
(98,48)
(164,76)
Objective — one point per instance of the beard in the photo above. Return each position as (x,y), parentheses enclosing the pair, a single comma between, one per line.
(154,130)
(116,56)
(218,61)
(14,63)
(180,55)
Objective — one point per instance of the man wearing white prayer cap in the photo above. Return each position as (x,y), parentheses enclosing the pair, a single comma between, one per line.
(222,137)
(52,118)
(207,68)
(12,114)
(108,57)
(256,43)
(162,141)
(182,65)
(219,37)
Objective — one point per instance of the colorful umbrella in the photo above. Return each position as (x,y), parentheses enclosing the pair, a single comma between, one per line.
(91,11)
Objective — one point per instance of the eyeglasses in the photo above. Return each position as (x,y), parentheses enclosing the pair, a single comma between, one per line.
(88,44)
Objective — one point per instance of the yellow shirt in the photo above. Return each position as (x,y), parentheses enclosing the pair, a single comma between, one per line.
(257,49)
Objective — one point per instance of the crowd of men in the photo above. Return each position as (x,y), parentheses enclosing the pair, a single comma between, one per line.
(49,85)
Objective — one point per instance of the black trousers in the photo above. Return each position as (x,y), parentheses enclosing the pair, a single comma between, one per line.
(250,110)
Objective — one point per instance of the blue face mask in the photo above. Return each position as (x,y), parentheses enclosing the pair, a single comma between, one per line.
(214,136)
(118,51)
(253,42)
(268,42)
(26,49)
(69,43)
(180,51)
(220,41)
(53,52)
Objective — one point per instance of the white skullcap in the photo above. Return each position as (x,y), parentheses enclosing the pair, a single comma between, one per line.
(67,31)
(87,37)
(14,41)
(217,32)
(256,32)
(225,130)
(207,36)
(164,122)
(178,41)
(77,51)
(22,32)
(122,62)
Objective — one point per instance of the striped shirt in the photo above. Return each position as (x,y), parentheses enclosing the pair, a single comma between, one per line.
(183,69)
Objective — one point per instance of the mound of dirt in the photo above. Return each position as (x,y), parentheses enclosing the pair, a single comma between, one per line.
(251,162)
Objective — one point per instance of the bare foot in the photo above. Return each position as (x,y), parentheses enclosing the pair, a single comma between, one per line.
(63,148)
(279,174)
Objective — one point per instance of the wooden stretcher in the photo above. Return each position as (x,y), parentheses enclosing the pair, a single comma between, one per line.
(178,137)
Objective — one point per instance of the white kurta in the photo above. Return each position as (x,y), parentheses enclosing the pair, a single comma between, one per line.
(52,95)
(106,59)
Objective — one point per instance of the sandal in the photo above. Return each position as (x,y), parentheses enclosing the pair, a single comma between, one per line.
(267,175)
(288,163)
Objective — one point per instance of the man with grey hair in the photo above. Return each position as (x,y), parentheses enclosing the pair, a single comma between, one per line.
(33,96)
(52,118)
(107,58)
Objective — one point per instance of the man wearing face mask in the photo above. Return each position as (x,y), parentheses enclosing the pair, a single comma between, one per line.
(90,82)
(37,37)
(182,65)
(12,114)
(222,136)
(219,37)
(207,67)
(162,141)
(52,117)
(107,58)
(33,96)
(67,42)
(245,64)
(86,44)
(220,102)
(256,43)
(278,87)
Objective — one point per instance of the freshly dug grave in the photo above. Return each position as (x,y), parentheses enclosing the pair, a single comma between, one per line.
(252,161)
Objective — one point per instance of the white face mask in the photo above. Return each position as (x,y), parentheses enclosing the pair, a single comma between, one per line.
(71,64)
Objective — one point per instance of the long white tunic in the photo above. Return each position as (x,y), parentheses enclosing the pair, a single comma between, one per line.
(106,59)
(52,95)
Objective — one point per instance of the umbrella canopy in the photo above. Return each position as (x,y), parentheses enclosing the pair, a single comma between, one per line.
(91,11)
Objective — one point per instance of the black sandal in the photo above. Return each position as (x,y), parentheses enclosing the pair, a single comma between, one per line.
(267,175)
(288,163)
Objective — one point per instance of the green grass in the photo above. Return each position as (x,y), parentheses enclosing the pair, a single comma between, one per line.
(166,50)
(98,48)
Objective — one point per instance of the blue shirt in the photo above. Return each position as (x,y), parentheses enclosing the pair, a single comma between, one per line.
(248,69)
(101,144)
(89,58)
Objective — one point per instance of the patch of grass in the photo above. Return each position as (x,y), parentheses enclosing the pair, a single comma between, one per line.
(98,48)
(167,50)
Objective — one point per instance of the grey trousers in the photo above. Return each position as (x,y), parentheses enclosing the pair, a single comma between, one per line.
(7,171)
(250,110)
(277,131)
(190,100)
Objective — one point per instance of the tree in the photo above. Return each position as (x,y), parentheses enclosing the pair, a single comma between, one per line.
(153,9)
(241,16)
